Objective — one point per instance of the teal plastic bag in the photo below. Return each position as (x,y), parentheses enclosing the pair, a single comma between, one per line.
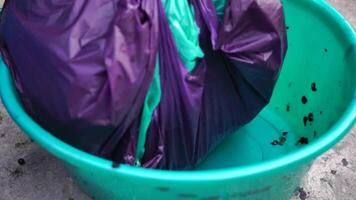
(151,102)
(181,19)
(220,7)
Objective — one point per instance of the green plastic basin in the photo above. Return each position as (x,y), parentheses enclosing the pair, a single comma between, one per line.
(320,66)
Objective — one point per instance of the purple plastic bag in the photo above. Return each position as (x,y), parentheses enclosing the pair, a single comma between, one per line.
(83,69)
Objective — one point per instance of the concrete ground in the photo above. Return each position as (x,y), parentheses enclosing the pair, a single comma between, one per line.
(42,177)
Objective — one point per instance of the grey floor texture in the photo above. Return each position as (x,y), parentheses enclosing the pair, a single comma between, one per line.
(42,177)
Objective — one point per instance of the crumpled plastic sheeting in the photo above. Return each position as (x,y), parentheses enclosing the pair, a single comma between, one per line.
(234,81)
(83,70)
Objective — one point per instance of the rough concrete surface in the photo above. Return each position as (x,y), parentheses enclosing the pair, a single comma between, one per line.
(42,177)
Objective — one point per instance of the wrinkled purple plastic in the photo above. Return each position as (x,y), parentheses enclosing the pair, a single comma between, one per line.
(83,69)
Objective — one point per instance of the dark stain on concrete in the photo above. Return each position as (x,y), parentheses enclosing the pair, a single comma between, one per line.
(21,161)
(302,194)
(326,181)
(22,144)
(344,162)
(16,173)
